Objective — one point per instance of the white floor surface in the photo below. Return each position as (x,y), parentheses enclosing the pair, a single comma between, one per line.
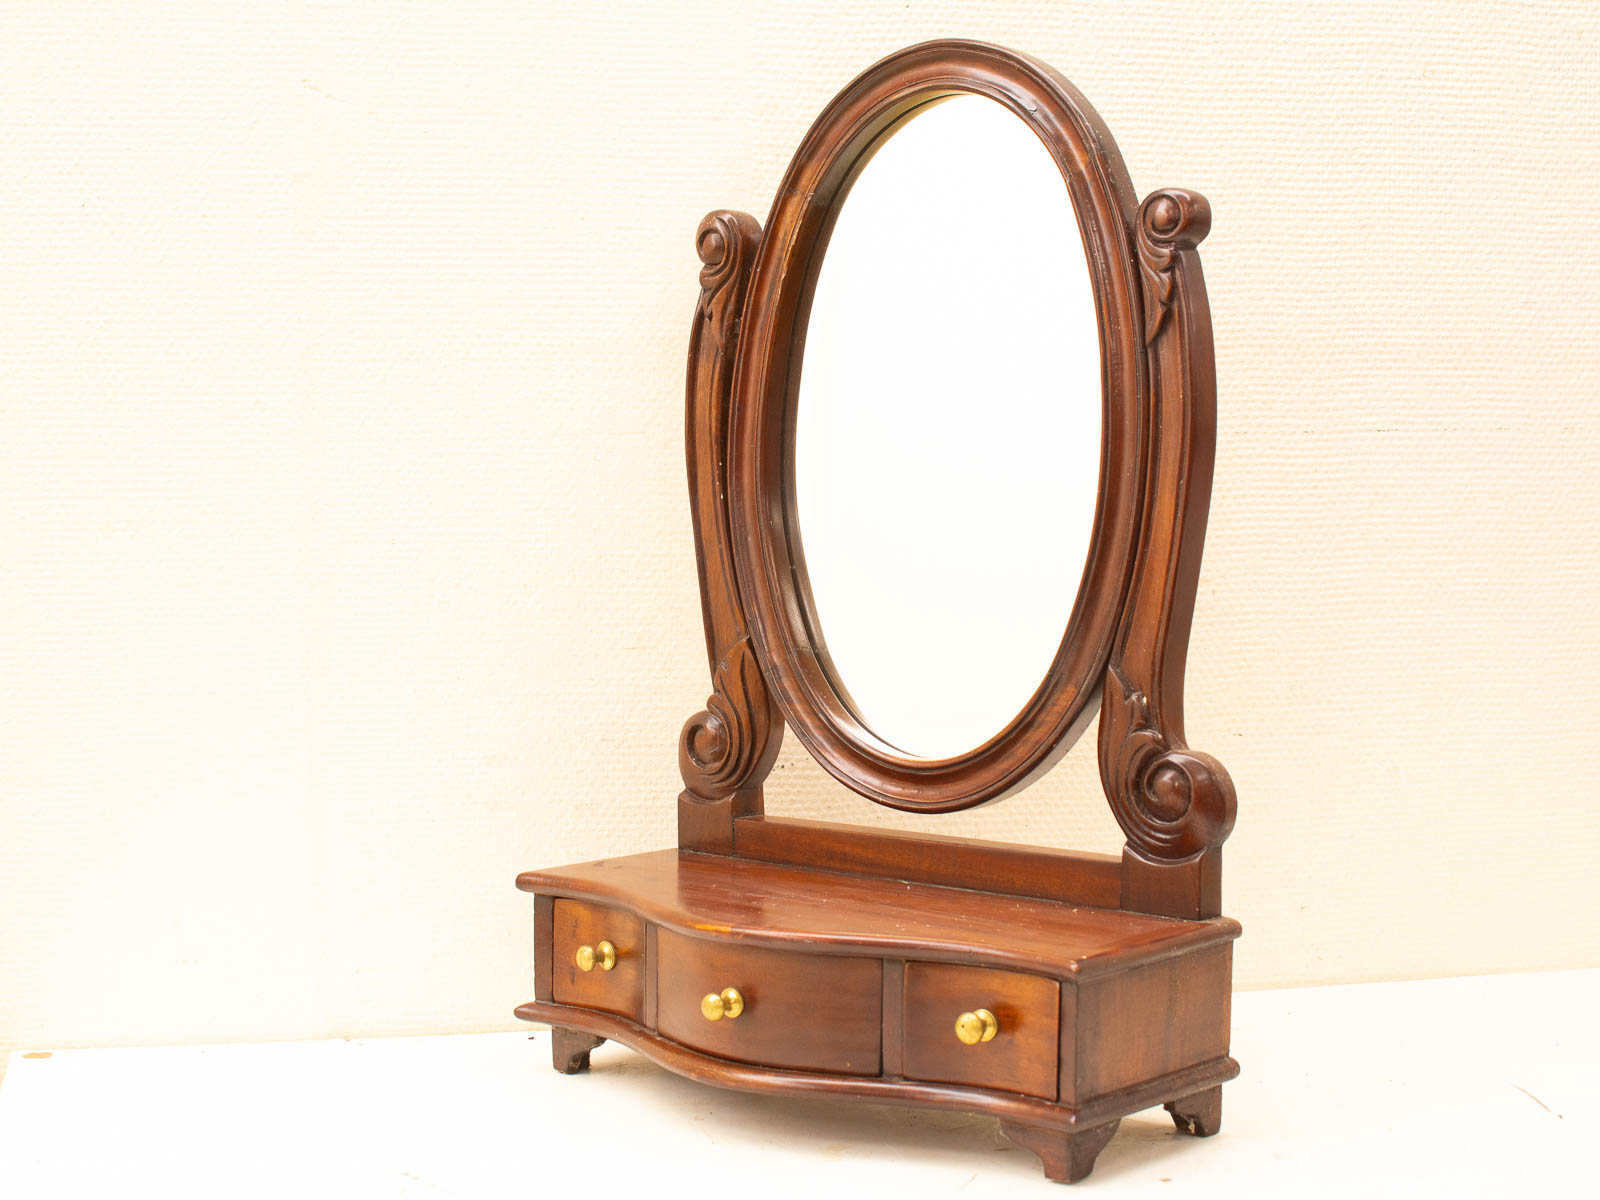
(1484,1086)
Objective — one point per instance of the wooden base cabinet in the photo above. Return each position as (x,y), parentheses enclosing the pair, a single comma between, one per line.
(776,978)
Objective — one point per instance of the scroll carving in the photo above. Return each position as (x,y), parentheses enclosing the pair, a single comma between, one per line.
(1175,805)
(1170,220)
(726,243)
(726,750)
(1172,802)
(719,748)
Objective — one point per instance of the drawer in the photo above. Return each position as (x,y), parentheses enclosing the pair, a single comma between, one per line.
(808,1012)
(618,990)
(1022,1055)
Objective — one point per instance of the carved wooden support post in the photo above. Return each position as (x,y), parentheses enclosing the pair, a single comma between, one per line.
(1175,805)
(725,751)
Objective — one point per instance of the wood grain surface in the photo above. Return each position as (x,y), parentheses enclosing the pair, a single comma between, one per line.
(855,914)
(1154,1019)
(752,1077)
(619,990)
(807,1011)
(1021,1057)
(1073,876)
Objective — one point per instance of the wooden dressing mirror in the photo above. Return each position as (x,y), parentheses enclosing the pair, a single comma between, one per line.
(950,433)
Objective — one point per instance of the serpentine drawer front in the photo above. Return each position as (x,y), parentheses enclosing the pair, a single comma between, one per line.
(802,1011)
(770,977)
(598,958)
(987,1028)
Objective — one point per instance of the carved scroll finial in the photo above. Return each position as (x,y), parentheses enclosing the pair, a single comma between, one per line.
(1172,802)
(1175,805)
(726,750)
(726,243)
(722,747)
(1170,220)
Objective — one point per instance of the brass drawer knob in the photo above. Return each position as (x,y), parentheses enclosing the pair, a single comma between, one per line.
(603,956)
(975,1027)
(728,1003)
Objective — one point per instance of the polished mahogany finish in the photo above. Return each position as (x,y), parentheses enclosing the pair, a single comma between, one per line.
(1067,875)
(800,1011)
(853,984)
(770,567)
(800,957)
(1020,1057)
(619,989)
(803,908)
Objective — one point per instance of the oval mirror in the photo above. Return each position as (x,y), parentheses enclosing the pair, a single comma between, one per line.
(947,437)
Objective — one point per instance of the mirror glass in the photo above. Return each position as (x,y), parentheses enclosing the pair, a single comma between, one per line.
(947,429)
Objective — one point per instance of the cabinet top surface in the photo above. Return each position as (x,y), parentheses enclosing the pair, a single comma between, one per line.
(802,908)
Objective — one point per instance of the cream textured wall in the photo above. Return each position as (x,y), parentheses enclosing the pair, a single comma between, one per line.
(347,554)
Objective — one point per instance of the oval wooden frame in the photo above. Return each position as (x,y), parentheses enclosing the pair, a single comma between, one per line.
(1130,634)
(767,555)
